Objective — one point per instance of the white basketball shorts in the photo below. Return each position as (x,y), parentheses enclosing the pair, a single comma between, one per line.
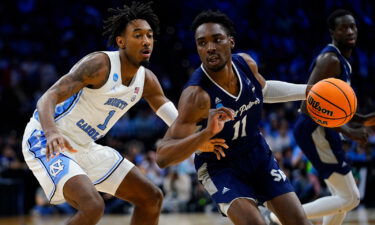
(104,166)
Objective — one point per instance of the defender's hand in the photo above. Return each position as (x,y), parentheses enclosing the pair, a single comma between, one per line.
(56,143)
(216,146)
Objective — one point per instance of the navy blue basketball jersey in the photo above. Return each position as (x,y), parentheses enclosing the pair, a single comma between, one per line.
(242,132)
(346,69)
(321,145)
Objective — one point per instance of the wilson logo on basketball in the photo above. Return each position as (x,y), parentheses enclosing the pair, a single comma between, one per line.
(316,105)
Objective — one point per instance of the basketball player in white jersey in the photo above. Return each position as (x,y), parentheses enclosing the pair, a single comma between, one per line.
(59,141)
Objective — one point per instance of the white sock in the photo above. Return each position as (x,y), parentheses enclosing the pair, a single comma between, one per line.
(345,196)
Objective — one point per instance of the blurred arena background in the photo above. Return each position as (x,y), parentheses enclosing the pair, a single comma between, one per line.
(41,39)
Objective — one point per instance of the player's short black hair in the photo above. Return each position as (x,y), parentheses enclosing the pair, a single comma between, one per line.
(331,21)
(115,25)
(210,16)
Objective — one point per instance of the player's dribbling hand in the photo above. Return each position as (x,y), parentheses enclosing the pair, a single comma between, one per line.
(216,145)
(56,143)
(217,118)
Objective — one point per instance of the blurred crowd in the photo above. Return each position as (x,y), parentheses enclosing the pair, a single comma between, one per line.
(40,40)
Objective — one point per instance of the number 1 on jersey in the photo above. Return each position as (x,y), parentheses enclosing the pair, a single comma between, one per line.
(236,127)
(104,125)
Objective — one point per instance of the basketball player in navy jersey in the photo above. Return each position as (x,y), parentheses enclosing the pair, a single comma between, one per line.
(223,99)
(323,146)
(59,141)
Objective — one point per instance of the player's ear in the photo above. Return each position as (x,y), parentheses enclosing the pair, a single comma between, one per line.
(232,42)
(331,32)
(120,42)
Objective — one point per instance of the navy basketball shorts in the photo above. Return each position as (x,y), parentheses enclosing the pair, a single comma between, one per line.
(243,176)
(322,146)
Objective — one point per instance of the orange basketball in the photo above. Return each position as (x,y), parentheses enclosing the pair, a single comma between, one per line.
(331,102)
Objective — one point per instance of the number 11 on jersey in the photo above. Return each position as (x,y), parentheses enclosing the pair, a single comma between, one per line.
(237,126)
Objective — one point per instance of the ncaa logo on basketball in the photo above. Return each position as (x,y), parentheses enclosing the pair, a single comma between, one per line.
(316,105)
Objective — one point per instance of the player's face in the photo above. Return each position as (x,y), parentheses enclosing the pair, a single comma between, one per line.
(214,46)
(345,33)
(138,42)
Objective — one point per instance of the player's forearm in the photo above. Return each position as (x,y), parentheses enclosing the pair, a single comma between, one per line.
(345,130)
(173,151)
(46,109)
(278,91)
(358,118)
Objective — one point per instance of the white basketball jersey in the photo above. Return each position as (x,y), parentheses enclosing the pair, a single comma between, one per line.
(89,114)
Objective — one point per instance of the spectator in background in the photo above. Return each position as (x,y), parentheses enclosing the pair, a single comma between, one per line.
(177,187)
(134,151)
(151,170)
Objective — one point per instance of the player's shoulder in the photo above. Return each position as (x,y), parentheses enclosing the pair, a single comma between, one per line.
(94,61)
(196,97)
(151,85)
(250,62)
(98,57)
(328,59)
(95,65)
(150,76)
(248,59)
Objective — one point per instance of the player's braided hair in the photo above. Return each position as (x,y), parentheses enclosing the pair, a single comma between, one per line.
(115,25)
(211,16)
(331,21)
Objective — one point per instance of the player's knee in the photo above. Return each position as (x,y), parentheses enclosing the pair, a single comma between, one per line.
(351,202)
(152,200)
(94,207)
(157,197)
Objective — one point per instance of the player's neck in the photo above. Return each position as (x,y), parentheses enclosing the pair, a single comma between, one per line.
(222,76)
(226,78)
(128,69)
(344,50)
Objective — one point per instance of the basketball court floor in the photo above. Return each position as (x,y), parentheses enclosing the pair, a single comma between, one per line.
(361,216)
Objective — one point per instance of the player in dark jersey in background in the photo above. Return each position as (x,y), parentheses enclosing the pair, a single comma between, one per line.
(323,146)
(223,99)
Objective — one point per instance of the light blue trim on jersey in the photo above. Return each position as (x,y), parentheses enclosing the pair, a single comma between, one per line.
(67,106)
(64,108)
(110,171)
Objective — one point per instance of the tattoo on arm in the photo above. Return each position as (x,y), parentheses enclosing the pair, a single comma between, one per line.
(92,71)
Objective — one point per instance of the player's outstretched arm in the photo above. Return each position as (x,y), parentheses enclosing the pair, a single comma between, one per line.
(275,91)
(367,120)
(181,139)
(91,71)
(154,95)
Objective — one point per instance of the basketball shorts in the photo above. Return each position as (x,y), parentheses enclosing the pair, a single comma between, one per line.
(242,177)
(322,146)
(104,166)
